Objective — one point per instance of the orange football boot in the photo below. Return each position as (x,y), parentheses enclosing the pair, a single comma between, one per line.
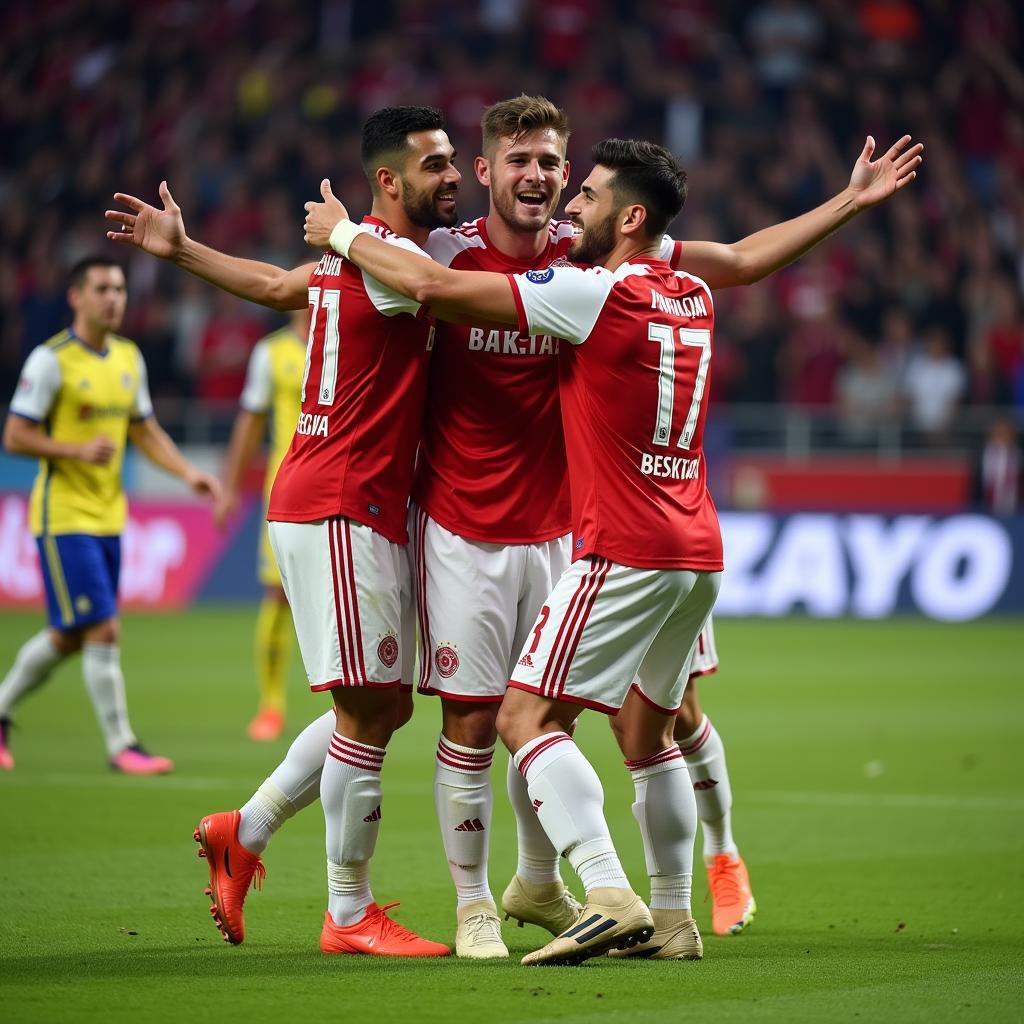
(266,726)
(232,869)
(377,935)
(732,903)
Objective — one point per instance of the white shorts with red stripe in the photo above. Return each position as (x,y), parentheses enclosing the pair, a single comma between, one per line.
(350,592)
(477,604)
(704,656)
(605,625)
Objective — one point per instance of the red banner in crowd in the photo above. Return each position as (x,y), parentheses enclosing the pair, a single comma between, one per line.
(167,551)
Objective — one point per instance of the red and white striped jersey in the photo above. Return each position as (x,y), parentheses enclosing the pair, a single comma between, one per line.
(634,398)
(492,459)
(363,393)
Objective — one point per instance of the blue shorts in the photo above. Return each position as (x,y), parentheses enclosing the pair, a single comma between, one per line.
(80,574)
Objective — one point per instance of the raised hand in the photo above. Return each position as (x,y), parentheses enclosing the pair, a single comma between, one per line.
(159,232)
(873,181)
(321,218)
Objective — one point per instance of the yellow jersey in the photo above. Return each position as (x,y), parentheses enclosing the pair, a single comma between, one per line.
(78,393)
(273,387)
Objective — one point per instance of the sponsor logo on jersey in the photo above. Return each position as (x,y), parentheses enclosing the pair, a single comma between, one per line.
(387,650)
(447,661)
(312,424)
(509,343)
(92,412)
(539,276)
(669,466)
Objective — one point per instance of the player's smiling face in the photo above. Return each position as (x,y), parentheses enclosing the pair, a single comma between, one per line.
(526,177)
(594,213)
(430,180)
(101,299)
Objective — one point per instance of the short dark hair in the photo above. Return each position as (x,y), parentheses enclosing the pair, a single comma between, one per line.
(645,173)
(386,135)
(514,118)
(78,273)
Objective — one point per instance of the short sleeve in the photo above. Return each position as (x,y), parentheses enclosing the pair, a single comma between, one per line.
(142,407)
(671,250)
(258,392)
(564,302)
(384,299)
(37,386)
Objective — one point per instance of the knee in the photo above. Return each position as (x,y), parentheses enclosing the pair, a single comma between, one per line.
(106,632)
(403,711)
(66,643)
(469,725)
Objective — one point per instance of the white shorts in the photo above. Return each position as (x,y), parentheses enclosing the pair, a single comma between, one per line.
(605,625)
(350,592)
(477,603)
(704,655)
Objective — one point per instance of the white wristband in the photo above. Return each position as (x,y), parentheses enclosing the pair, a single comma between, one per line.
(342,235)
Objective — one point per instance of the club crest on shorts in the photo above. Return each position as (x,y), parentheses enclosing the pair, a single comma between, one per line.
(447,661)
(387,649)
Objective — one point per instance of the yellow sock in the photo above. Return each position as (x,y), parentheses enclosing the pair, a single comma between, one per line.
(273,648)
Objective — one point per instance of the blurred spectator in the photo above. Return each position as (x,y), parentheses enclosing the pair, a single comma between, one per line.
(224,348)
(934,384)
(1001,469)
(867,395)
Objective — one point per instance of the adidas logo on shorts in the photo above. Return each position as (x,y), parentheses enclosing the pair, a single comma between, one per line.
(526,661)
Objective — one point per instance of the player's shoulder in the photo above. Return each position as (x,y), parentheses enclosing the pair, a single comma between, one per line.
(119,343)
(60,340)
(282,338)
(445,244)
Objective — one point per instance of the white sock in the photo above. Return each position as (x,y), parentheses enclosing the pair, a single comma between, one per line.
(538,859)
(351,794)
(705,761)
(464,800)
(666,812)
(567,796)
(294,784)
(32,664)
(101,669)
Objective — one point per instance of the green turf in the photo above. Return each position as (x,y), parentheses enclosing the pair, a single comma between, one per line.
(877,772)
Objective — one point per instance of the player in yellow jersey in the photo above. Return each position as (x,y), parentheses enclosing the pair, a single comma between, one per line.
(273,387)
(81,395)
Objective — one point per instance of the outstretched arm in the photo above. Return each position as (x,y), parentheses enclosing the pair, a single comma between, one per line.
(162,233)
(764,252)
(448,294)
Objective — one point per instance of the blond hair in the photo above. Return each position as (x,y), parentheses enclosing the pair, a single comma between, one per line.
(512,119)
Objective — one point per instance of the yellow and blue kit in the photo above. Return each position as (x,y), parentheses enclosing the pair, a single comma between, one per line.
(273,387)
(77,509)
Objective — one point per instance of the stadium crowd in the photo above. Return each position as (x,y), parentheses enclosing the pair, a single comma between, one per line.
(244,107)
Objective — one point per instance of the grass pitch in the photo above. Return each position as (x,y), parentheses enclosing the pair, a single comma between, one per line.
(877,773)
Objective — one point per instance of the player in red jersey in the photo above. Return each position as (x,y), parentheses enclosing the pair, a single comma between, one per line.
(658,522)
(338,505)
